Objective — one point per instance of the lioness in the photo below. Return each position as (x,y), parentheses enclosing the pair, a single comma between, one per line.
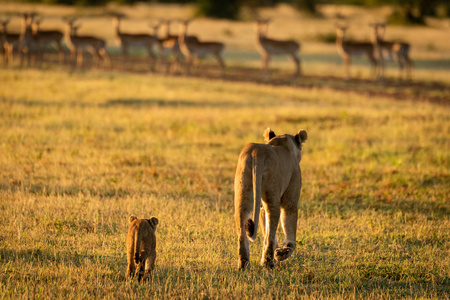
(270,172)
(141,247)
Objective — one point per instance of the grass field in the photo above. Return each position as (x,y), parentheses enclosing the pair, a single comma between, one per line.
(82,154)
(82,150)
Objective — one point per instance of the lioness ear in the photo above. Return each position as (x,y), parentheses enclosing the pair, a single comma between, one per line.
(301,136)
(132,218)
(154,221)
(268,134)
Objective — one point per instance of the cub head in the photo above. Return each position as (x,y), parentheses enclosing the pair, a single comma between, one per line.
(301,137)
(153,222)
(132,218)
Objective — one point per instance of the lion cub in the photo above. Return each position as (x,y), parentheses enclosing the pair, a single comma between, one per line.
(141,247)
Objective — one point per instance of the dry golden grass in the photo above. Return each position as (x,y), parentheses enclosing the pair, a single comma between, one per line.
(91,148)
(82,150)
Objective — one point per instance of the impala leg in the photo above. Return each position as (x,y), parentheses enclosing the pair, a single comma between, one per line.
(409,65)
(61,54)
(196,62)
(73,56)
(399,61)
(105,58)
(177,62)
(221,63)
(297,62)
(164,59)
(4,54)
(22,54)
(124,56)
(347,62)
(79,59)
(374,65)
(381,64)
(152,58)
(29,57)
(188,62)
(266,60)
(401,69)
(8,53)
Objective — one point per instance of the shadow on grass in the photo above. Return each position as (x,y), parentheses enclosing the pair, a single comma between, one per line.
(73,190)
(72,260)
(346,206)
(436,92)
(136,103)
(140,103)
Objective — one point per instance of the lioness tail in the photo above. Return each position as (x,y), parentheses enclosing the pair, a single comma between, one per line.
(251,226)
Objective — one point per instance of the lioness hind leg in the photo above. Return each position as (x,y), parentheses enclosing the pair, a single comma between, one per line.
(241,216)
(264,224)
(284,251)
(270,242)
(289,224)
(244,251)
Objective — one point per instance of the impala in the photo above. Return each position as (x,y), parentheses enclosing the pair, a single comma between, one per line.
(397,51)
(169,43)
(348,49)
(8,41)
(48,37)
(127,40)
(78,44)
(28,46)
(268,47)
(193,49)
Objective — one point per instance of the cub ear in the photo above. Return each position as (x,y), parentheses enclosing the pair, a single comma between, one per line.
(268,134)
(154,221)
(301,136)
(132,218)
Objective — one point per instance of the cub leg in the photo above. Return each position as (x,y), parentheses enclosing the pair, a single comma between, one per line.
(149,265)
(140,268)
(131,269)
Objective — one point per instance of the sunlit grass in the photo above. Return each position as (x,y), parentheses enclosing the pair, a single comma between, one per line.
(81,151)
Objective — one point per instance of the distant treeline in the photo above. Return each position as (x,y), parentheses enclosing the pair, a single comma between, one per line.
(406,11)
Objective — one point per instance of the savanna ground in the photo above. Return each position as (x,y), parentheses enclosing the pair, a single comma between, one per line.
(82,150)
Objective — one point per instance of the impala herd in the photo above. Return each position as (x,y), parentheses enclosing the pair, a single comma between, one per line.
(31,42)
